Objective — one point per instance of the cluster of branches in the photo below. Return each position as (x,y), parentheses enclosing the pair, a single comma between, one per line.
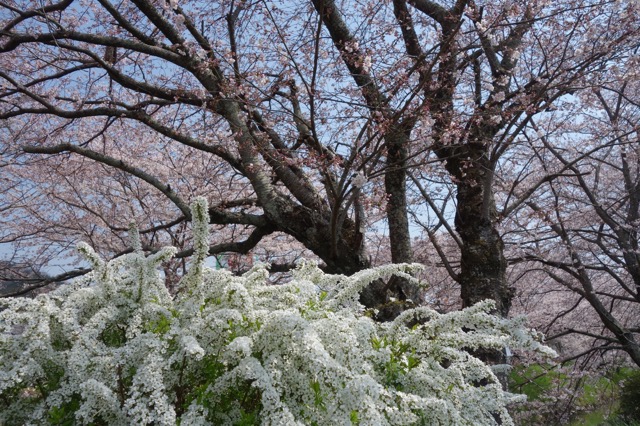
(313,127)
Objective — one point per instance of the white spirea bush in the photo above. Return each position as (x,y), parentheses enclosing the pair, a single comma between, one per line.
(116,348)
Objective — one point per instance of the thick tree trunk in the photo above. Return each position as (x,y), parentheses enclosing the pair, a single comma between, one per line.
(482,262)
(348,256)
(395,182)
(312,228)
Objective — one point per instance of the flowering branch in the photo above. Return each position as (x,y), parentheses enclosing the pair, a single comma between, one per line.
(115,347)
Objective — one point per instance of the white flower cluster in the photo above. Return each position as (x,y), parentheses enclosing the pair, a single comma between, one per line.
(116,348)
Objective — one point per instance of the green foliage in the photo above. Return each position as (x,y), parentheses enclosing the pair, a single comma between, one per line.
(556,396)
(353,417)
(114,336)
(317,394)
(617,421)
(534,380)
(630,397)
(64,415)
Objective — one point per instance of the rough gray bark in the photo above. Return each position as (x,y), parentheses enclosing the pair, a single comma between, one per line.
(482,262)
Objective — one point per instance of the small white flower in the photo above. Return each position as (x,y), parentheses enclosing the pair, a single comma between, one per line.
(495,119)
(359,180)
(303,352)
(191,347)
(366,63)
(499,97)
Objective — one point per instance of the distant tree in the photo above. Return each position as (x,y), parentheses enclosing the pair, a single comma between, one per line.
(583,229)
(20,280)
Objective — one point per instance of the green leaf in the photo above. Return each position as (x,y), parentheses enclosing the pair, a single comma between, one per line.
(317,394)
(353,416)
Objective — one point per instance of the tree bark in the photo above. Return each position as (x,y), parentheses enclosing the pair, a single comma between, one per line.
(395,182)
(482,263)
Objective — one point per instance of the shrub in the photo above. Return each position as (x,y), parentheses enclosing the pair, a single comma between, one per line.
(115,347)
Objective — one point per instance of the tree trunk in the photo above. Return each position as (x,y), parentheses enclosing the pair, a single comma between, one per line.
(312,228)
(395,182)
(482,262)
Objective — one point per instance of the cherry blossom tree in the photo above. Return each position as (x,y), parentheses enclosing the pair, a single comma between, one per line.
(582,230)
(296,119)
(506,66)
(168,103)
